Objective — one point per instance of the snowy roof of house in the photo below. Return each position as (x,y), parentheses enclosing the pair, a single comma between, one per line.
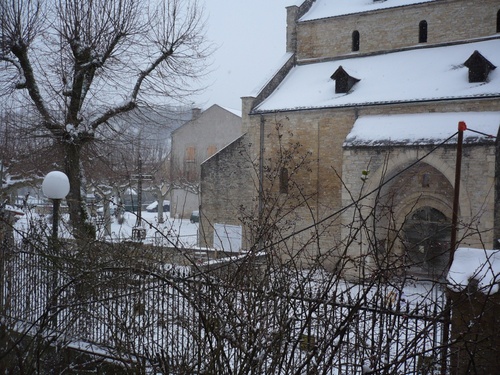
(236,112)
(482,266)
(194,120)
(422,74)
(333,8)
(422,129)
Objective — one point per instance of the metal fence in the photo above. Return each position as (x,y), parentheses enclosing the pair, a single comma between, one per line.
(163,318)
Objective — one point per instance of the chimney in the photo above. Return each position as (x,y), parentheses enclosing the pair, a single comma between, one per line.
(195,113)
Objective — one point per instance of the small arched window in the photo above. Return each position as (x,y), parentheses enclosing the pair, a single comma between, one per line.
(422,32)
(211,150)
(284,181)
(498,21)
(355,40)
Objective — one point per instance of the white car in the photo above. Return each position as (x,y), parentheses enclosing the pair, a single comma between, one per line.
(153,207)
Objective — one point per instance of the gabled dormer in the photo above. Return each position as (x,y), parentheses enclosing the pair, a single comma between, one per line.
(343,81)
(479,67)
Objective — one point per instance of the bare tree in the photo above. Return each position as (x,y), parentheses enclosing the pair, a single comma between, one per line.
(24,156)
(79,64)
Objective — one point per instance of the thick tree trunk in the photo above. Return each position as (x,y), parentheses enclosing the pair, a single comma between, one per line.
(82,226)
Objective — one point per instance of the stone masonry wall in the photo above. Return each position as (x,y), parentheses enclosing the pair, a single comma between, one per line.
(389,29)
(322,133)
(319,134)
(316,138)
(477,184)
(209,132)
(226,186)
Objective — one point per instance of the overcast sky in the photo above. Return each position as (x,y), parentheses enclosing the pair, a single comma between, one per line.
(251,37)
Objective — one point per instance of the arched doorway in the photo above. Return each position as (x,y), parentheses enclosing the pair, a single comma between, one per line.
(426,234)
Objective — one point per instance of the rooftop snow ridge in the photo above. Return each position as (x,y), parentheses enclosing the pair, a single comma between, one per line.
(414,75)
(334,8)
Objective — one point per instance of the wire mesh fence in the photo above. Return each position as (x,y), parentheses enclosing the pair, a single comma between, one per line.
(168,319)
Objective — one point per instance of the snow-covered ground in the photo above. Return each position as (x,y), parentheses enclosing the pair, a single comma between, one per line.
(180,232)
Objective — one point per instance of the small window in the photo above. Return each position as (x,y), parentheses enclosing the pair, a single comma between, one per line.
(355,40)
(498,21)
(190,155)
(422,32)
(211,150)
(284,181)
(426,178)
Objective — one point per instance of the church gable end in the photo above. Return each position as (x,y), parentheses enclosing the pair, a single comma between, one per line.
(479,67)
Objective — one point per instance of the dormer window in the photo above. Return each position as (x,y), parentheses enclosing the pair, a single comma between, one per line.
(479,67)
(343,81)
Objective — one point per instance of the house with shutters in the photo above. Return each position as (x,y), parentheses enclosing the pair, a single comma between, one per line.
(198,139)
(349,152)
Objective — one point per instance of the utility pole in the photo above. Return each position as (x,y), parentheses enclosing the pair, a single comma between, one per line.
(456,196)
(453,244)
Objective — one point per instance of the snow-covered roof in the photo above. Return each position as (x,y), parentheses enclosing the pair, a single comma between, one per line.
(422,128)
(272,72)
(421,74)
(333,8)
(14,210)
(236,112)
(482,266)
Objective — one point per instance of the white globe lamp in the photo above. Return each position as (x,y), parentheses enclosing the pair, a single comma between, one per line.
(55,185)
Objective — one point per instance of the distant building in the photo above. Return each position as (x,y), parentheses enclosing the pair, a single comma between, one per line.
(331,153)
(142,134)
(194,142)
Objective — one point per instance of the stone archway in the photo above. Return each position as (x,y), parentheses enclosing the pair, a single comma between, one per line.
(416,210)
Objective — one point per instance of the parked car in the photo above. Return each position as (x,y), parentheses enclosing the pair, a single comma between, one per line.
(195,217)
(153,207)
(100,209)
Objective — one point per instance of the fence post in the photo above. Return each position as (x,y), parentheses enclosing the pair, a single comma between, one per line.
(3,328)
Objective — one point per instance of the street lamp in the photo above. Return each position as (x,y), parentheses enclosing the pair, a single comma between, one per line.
(55,186)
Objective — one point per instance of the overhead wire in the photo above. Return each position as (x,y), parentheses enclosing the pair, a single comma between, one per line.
(478,132)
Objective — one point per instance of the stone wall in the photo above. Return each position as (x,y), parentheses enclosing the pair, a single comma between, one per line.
(390,29)
(209,132)
(326,177)
(406,194)
(309,145)
(228,191)
(331,177)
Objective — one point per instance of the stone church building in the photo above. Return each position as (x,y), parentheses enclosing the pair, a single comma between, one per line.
(349,151)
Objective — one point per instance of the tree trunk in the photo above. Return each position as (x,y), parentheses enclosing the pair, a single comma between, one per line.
(82,226)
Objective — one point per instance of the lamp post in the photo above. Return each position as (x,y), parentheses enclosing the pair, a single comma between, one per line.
(55,186)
